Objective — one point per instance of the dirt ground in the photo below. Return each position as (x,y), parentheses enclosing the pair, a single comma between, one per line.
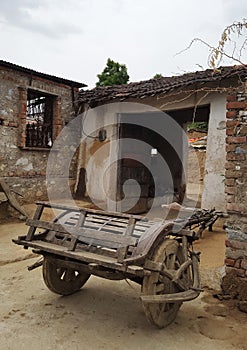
(108,315)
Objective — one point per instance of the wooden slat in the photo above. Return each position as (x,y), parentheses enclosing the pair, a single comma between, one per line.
(170,298)
(37,216)
(93,211)
(110,219)
(82,232)
(110,222)
(110,227)
(105,228)
(115,222)
(122,252)
(79,223)
(83,256)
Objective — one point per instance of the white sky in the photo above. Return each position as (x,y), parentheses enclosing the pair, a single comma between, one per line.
(73,38)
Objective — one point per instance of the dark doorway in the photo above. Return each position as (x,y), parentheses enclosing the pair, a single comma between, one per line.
(150,158)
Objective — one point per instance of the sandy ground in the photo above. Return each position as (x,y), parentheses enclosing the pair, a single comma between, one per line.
(108,315)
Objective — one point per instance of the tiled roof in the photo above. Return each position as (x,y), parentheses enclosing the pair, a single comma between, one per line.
(158,86)
(42,75)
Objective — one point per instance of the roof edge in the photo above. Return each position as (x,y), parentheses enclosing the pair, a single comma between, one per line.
(42,75)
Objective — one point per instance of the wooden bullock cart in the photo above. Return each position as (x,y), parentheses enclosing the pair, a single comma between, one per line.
(158,255)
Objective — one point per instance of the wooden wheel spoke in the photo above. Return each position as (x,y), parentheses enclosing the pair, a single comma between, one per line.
(69,275)
(159,288)
(171,261)
(60,272)
(168,254)
(163,308)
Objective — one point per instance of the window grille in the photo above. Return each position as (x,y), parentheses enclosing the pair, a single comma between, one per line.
(39,117)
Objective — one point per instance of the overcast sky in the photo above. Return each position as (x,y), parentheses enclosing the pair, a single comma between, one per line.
(74,38)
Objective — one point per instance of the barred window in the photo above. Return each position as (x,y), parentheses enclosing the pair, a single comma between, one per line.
(39,119)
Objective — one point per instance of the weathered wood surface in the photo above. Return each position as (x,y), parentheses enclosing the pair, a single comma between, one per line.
(92,228)
(170,298)
(94,211)
(81,233)
(37,215)
(11,198)
(85,257)
(122,251)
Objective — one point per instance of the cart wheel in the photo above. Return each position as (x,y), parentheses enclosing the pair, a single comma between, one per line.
(62,280)
(162,314)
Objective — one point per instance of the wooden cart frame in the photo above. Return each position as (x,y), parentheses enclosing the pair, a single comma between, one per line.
(158,255)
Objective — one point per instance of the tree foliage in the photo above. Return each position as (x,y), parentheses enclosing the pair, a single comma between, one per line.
(157,76)
(113,74)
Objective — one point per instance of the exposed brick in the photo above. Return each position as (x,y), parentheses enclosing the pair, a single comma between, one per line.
(236,139)
(244,264)
(230,147)
(230,262)
(231,98)
(235,272)
(31,173)
(234,156)
(240,272)
(18,173)
(235,207)
(232,123)
(238,263)
(236,105)
(243,130)
(230,165)
(230,190)
(230,132)
(230,182)
(236,244)
(230,198)
(235,174)
(231,114)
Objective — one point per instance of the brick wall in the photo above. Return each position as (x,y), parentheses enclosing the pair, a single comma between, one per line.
(235,281)
(24,169)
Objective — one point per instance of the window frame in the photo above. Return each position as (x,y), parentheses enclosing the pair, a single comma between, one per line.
(56,117)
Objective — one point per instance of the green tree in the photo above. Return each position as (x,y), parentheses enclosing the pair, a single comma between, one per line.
(113,74)
(157,76)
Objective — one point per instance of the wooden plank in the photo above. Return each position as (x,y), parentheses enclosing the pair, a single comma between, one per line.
(88,257)
(170,298)
(78,255)
(101,212)
(80,233)
(110,219)
(37,216)
(144,245)
(153,266)
(138,226)
(95,219)
(115,222)
(122,251)
(79,223)
(110,227)
(105,228)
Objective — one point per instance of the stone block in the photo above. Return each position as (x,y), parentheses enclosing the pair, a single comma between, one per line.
(235,253)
